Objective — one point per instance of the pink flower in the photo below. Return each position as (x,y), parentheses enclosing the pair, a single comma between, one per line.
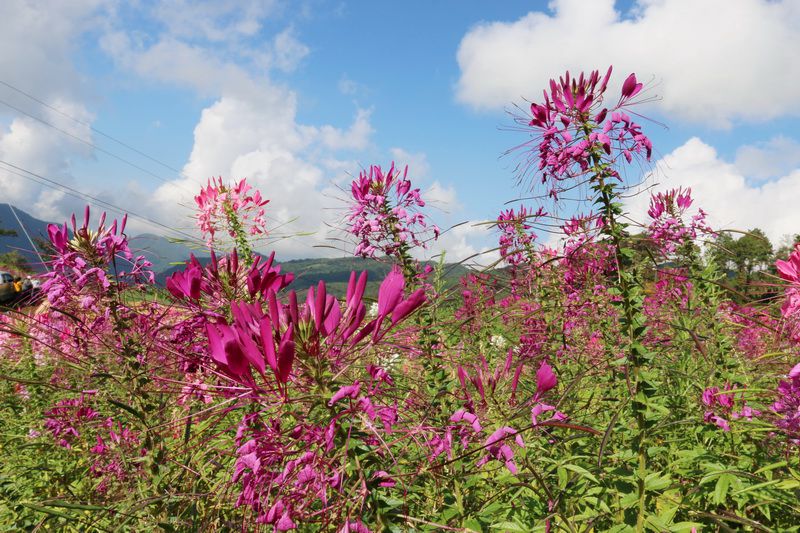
(461,414)
(498,449)
(385,216)
(348,391)
(545,379)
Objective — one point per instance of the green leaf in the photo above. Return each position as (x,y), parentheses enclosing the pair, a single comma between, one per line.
(67,505)
(47,510)
(721,488)
(581,471)
(788,484)
(655,482)
(472,524)
(128,408)
(509,526)
(685,526)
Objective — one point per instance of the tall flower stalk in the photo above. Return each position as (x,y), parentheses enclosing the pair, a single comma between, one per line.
(582,141)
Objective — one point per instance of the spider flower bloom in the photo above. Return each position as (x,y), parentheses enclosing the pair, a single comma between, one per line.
(223,206)
(787,407)
(572,131)
(668,228)
(80,269)
(790,271)
(271,337)
(515,237)
(385,214)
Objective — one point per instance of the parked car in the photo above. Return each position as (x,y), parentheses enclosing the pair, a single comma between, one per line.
(7,291)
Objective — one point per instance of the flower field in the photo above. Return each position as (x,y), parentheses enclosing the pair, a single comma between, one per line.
(611,382)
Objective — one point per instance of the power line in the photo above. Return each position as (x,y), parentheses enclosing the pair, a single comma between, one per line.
(87,143)
(83,122)
(75,193)
(27,235)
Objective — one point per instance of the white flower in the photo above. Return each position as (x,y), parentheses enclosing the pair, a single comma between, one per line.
(387,362)
(372,312)
(498,341)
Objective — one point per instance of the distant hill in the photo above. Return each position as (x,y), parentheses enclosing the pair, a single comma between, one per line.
(168,257)
(162,252)
(17,241)
(335,272)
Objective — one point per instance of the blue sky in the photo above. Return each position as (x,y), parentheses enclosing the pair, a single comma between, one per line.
(297,96)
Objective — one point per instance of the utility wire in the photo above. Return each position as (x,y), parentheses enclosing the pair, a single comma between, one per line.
(25,231)
(84,123)
(75,193)
(87,143)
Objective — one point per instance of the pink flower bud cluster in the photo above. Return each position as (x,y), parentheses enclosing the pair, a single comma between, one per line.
(74,421)
(384,216)
(258,338)
(82,266)
(668,228)
(585,260)
(516,239)
(466,423)
(289,473)
(721,406)
(576,133)
(790,271)
(217,203)
(65,418)
(787,406)
(212,286)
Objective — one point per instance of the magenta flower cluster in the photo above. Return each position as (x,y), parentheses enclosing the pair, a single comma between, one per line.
(257,345)
(790,271)
(721,405)
(574,131)
(668,228)
(787,406)
(516,237)
(384,216)
(217,204)
(87,262)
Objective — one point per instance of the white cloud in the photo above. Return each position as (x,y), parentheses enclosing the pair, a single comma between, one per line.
(212,20)
(36,43)
(419,169)
(356,137)
(348,87)
(717,61)
(473,242)
(249,131)
(288,51)
(251,128)
(769,159)
(441,197)
(722,190)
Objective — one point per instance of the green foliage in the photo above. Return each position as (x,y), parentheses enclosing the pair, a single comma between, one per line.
(14,261)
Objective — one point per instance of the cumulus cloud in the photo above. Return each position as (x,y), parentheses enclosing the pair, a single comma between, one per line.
(724,192)
(419,169)
(36,43)
(769,159)
(212,20)
(288,51)
(250,130)
(715,61)
(356,137)
(442,197)
(473,242)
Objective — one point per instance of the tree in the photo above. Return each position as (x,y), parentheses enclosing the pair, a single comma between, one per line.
(743,258)
(788,243)
(7,232)
(14,260)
